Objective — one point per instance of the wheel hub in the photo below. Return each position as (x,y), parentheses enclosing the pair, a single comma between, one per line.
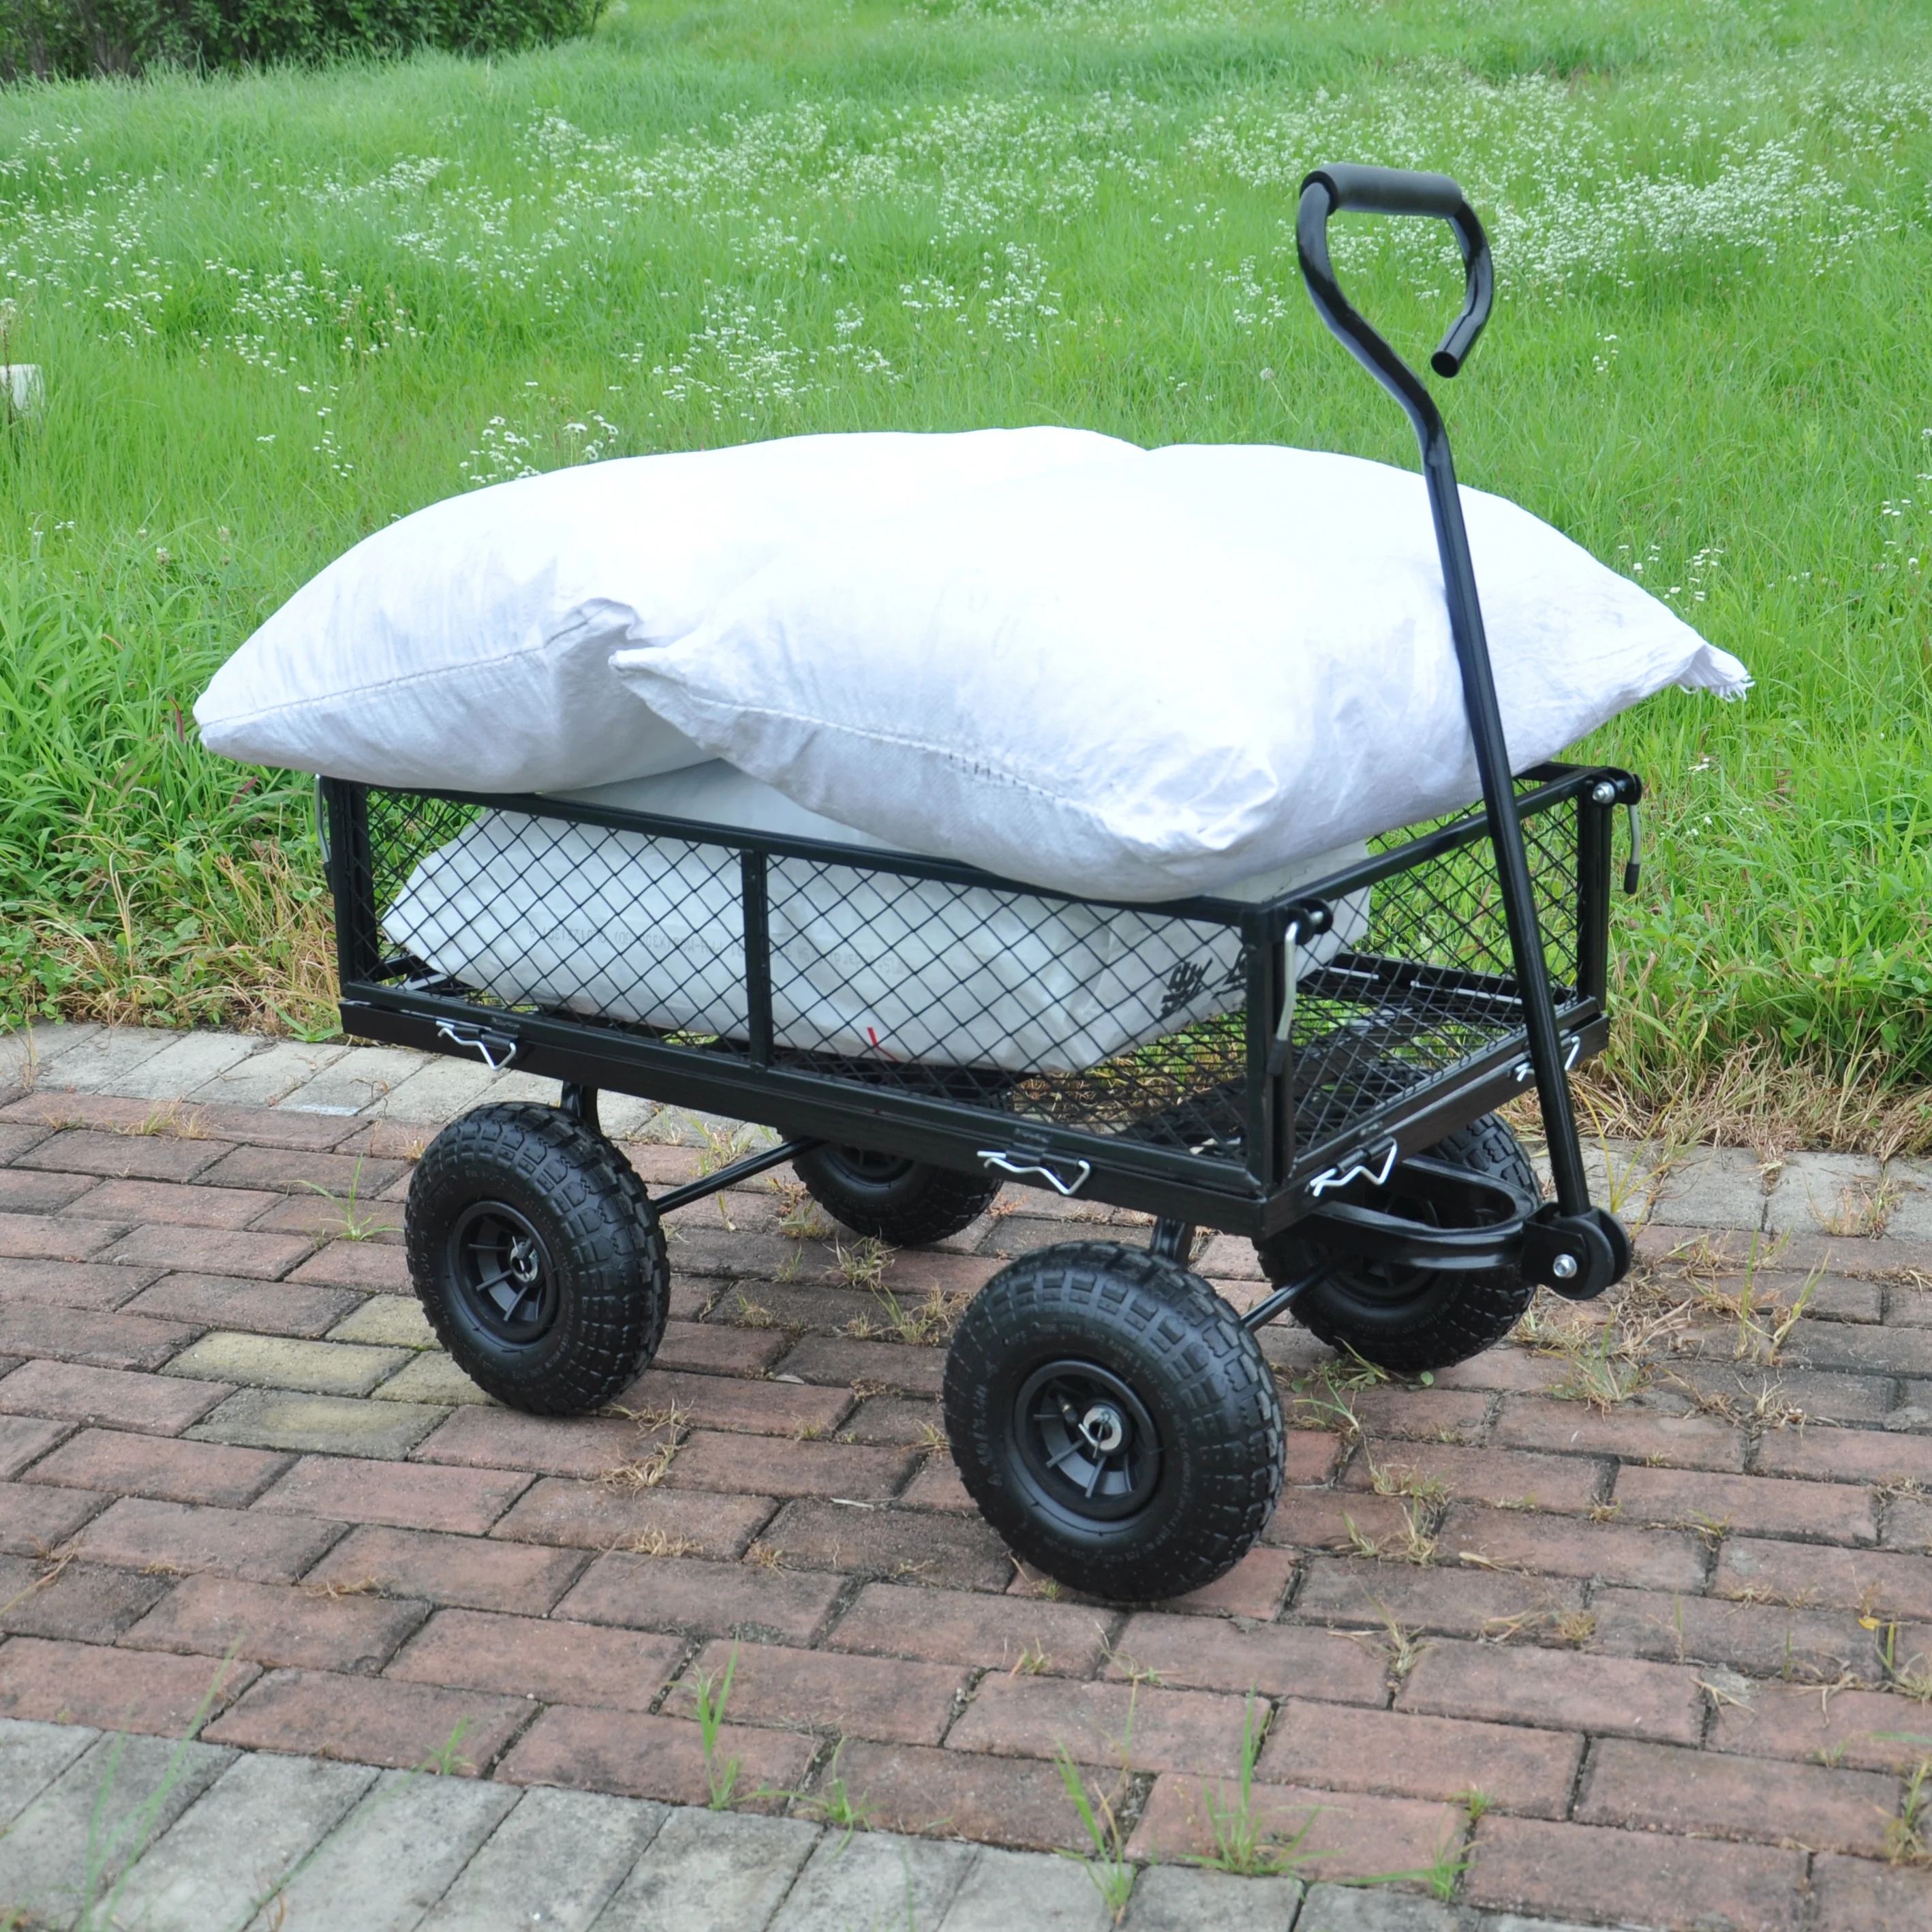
(1087,1445)
(503,1274)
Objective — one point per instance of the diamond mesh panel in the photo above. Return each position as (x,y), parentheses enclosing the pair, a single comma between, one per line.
(1115,1023)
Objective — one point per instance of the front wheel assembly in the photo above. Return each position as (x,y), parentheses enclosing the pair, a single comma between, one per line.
(1114,1421)
(538,1258)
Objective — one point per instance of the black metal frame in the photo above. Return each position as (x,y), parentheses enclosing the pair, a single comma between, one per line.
(1278,1179)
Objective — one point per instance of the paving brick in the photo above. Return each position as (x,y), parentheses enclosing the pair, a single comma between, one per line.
(324,1424)
(1169,1730)
(258,1257)
(721,1402)
(1310,1456)
(552,1660)
(1659,1788)
(1636,1434)
(118,1689)
(650,1757)
(468,1570)
(873,1366)
(37,1045)
(711,1349)
(259,1820)
(34,1521)
(303,1171)
(70,1848)
(277,1624)
(706,1460)
(24,1439)
(32,1756)
(1343,1834)
(671,1593)
(276,1361)
(126,1157)
(1254,1587)
(222,1301)
(24,1192)
(1406,1414)
(95,1340)
(968,1627)
(54,1238)
(1651,1559)
(1822,1396)
(121,1464)
(938,1486)
(1769,1639)
(395,1855)
(139,1534)
(153,1405)
(1508,1371)
(1326,1520)
(1344,1908)
(1003,1800)
(429,1376)
(1798,1573)
(711,1872)
(1271,1659)
(407,1495)
(873,1879)
(175,1203)
(1500,1476)
(187,1062)
(1845,1455)
(959,1553)
(586,1447)
(266,1075)
(884,1699)
(585,1516)
(1518,1685)
(553,1861)
(83,1602)
(1405,1756)
(368,1267)
(1861,1350)
(71,1284)
(387,1321)
(1526,1864)
(1713,1187)
(1854,1895)
(1439,1602)
(1866,1730)
(368,1721)
(895,1421)
(1828,1512)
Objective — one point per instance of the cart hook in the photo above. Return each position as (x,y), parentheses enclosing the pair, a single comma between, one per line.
(496,1051)
(1020,1167)
(1357,1168)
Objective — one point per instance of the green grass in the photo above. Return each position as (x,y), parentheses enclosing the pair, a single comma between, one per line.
(276,311)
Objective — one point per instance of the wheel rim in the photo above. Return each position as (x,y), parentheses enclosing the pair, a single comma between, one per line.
(872,1169)
(504,1278)
(1088,1448)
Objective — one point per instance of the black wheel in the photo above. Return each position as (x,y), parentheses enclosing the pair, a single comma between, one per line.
(1408,1319)
(905,1202)
(537,1258)
(1114,1421)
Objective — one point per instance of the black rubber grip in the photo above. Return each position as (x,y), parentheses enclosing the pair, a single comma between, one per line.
(1390,191)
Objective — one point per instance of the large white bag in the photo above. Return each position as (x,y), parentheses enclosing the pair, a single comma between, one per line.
(467,646)
(1159,673)
(864,963)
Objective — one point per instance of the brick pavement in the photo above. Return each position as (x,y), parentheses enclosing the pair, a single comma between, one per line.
(1662,1658)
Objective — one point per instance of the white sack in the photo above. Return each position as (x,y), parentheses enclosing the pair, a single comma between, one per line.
(1159,673)
(467,645)
(629,927)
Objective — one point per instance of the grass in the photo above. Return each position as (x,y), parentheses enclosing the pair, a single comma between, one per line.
(277,310)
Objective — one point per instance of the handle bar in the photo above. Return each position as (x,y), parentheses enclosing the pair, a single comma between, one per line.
(1333,190)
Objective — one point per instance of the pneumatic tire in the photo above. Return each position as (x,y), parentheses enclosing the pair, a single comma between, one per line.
(1405,1318)
(905,1202)
(1114,1421)
(538,1258)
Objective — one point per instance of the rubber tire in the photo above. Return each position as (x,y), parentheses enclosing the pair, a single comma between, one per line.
(612,1271)
(909,1205)
(1410,1320)
(1183,1353)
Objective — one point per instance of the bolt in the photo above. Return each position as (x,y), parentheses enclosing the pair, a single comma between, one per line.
(1563,1267)
(1604,793)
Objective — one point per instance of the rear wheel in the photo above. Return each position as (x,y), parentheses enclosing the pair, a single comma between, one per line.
(538,1258)
(905,1202)
(1404,1317)
(1114,1421)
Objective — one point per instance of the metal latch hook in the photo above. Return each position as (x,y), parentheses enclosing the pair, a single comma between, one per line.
(1019,1166)
(1357,1168)
(497,1050)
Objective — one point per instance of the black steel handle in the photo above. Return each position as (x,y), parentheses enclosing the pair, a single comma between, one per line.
(1334,191)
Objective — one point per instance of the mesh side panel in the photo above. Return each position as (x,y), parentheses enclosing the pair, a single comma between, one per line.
(1433,984)
(1115,1023)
